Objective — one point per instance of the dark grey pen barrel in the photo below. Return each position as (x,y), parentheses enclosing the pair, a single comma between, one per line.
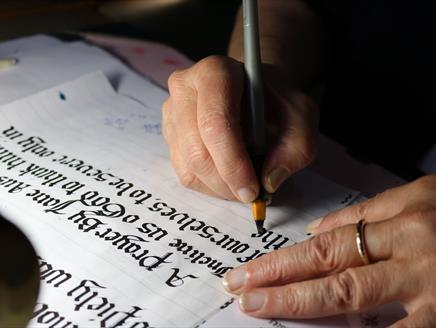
(254,86)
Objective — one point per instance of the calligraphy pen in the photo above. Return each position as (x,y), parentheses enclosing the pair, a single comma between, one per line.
(256,112)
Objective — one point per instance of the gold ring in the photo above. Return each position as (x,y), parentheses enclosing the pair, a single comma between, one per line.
(361,242)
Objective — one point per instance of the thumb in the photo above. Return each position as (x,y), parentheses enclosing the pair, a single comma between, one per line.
(295,145)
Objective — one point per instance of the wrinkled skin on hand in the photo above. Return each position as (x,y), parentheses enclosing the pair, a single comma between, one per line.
(325,275)
(203,127)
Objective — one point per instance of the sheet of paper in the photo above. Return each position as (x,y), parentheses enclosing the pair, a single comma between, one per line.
(39,45)
(43,67)
(155,60)
(17,46)
(84,172)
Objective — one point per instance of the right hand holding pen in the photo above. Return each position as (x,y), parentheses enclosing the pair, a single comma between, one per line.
(203,127)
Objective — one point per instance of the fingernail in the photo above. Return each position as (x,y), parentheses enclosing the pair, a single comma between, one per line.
(275,178)
(312,226)
(250,302)
(234,279)
(246,195)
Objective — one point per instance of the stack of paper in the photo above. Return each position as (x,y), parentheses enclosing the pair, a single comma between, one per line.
(85,174)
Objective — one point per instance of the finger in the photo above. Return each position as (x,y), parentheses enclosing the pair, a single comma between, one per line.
(197,161)
(356,289)
(193,159)
(382,206)
(219,106)
(425,317)
(295,146)
(324,254)
(187,178)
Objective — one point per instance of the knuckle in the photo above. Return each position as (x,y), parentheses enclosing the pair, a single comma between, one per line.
(198,159)
(177,82)
(269,269)
(290,303)
(345,293)
(320,249)
(361,210)
(213,126)
(219,67)
(213,63)
(187,179)
(421,222)
(235,173)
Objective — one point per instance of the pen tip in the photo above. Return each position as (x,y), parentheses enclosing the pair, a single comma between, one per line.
(259,226)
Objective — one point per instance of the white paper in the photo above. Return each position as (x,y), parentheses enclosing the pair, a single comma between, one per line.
(87,121)
(17,46)
(44,67)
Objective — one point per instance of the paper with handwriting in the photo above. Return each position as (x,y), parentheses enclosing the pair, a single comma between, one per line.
(85,174)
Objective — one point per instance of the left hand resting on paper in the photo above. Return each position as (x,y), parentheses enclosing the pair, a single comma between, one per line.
(325,275)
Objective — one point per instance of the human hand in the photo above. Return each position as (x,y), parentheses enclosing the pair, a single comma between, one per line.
(325,275)
(203,127)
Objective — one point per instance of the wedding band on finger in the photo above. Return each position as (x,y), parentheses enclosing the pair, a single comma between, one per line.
(361,241)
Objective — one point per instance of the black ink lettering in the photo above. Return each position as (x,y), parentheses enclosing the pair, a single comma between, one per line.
(152,262)
(107,321)
(151,229)
(176,281)
(205,233)
(85,223)
(10,159)
(257,253)
(71,187)
(15,185)
(130,218)
(84,289)
(156,207)
(141,194)
(12,133)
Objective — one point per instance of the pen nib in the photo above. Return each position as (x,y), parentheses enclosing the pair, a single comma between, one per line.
(259,226)
(259,213)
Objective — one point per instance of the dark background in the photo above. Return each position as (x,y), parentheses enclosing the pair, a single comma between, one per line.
(197,28)
(379,99)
